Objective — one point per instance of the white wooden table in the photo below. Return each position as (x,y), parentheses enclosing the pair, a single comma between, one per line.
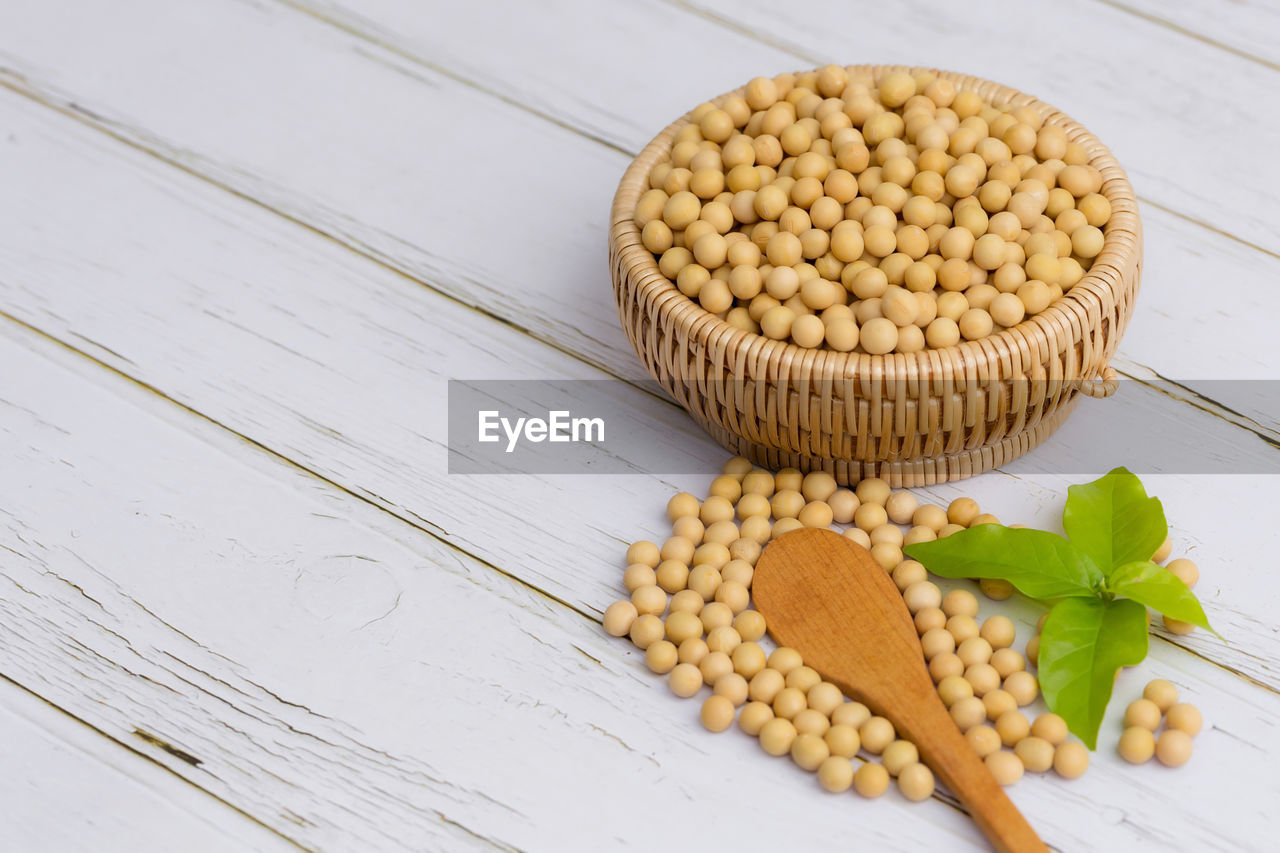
(243,246)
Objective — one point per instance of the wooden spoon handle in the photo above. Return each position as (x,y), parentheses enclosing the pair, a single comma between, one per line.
(824,595)
(945,750)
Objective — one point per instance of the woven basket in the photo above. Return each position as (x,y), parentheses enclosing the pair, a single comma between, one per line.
(913,419)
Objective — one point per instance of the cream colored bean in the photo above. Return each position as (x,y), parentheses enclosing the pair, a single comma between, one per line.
(916,782)
(907,574)
(809,751)
(960,602)
(646,630)
(876,734)
(777,735)
(835,774)
(1050,727)
(1007,661)
(871,780)
(1184,570)
(765,685)
(843,740)
(921,595)
(1005,767)
(810,721)
(1136,745)
(1071,760)
(963,628)
(998,702)
(983,677)
(731,686)
(803,678)
(1023,687)
(851,714)
(1142,713)
(1184,717)
(638,575)
(983,739)
(968,712)
(717,713)
(1162,693)
(692,651)
(753,717)
(899,755)
(750,625)
(1036,754)
(684,680)
(1012,726)
(1173,748)
(998,631)
(945,666)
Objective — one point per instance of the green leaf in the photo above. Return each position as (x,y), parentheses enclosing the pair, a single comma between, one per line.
(1040,564)
(1084,642)
(1160,589)
(1113,521)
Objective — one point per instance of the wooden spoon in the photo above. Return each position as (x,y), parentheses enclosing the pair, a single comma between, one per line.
(824,596)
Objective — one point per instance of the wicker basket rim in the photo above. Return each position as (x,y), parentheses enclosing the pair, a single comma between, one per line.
(1069,314)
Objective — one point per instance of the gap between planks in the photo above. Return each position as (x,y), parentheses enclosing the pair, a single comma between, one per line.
(796,50)
(343,24)
(1161,21)
(169,772)
(413,522)
(19,85)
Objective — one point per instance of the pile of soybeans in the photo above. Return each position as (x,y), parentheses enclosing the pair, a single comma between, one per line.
(690,611)
(837,209)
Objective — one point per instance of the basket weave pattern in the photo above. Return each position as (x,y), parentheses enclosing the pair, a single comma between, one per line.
(914,419)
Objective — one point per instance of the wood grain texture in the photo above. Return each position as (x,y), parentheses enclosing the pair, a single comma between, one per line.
(148,295)
(1088,67)
(1248,28)
(227,616)
(823,595)
(63,783)
(313,101)
(293,295)
(352,682)
(581,89)
(346,680)
(1099,45)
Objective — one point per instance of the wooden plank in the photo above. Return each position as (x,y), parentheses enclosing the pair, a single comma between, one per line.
(74,789)
(1084,63)
(586,92)
(351,682)
(340,365)
(612,86)
(346,680)
(1084,57)
(1248,29)
(326,85)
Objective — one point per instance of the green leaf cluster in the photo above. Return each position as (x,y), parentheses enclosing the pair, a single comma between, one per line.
(1099,579)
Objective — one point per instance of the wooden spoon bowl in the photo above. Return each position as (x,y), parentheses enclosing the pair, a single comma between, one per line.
(824,596)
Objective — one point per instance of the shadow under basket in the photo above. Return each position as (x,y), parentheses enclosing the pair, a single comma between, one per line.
(914,419)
